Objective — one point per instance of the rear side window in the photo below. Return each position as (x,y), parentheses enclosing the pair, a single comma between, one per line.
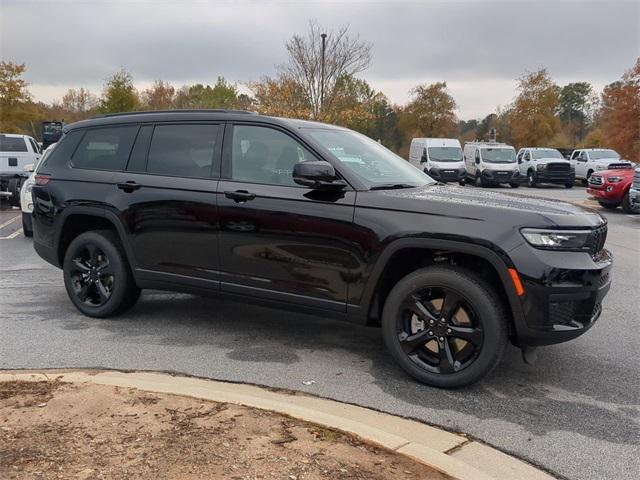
(182,150)
(12,144)
(105,148)
(63,151)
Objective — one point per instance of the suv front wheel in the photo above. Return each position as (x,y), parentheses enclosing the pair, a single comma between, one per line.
(97,275)
(445,326)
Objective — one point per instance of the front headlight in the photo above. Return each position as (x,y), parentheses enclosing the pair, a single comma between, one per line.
(541,166)
(601,167)
(556,239)
(614,179)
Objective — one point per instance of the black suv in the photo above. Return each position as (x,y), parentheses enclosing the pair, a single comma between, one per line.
(309,216)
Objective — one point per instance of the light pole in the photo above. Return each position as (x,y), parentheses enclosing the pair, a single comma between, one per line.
(324,38)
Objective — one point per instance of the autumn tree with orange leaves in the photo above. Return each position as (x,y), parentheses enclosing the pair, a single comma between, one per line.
(620,114)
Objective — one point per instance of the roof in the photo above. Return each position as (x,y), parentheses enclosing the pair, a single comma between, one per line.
(14,135)
(190,115)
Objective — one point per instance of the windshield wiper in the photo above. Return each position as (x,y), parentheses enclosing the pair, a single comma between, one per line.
(391,186)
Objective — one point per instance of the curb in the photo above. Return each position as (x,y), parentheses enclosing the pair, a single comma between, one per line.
(452,454)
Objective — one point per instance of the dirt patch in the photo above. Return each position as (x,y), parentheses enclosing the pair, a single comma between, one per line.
(51,430)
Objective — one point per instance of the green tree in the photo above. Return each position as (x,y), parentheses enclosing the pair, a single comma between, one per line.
(119,94)
(575,107)
(15,100)
(221,95)
(533,120)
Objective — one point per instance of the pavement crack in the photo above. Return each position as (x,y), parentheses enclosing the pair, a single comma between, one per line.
(457,447)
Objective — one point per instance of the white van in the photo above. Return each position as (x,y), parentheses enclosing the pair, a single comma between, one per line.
(491,163)
(440,158)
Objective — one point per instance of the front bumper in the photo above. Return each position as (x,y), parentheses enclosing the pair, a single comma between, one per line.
(600,193)
(563,293)
(447,174)
(503,176)
(556,177)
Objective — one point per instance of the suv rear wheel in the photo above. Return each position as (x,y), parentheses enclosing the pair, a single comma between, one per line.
(445,326)
(97,275)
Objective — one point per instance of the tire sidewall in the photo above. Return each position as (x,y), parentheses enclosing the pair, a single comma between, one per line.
(482,300)
(121,273)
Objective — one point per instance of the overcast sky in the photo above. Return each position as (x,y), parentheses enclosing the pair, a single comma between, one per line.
(477,47)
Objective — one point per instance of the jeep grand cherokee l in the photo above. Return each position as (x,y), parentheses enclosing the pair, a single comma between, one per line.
(308,216)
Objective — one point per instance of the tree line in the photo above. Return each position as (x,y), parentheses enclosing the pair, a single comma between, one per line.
(541,114)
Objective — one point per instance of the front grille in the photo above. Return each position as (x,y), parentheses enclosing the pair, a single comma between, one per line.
(597,239)
(596,180)
(559,167)
(636,181)
(562,313)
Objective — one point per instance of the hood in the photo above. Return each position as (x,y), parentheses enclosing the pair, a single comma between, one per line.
(551,160)
(483,205)
(618,172)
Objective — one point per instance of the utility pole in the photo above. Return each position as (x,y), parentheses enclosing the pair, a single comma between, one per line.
(324,38)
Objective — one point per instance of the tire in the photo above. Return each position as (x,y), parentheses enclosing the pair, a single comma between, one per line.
(626,205)
(27,225)
(110,288)
(462,183)
(489,327)
(514,185)
(568,185)
(609,206)
(480,182)
(14,188)
(531,179)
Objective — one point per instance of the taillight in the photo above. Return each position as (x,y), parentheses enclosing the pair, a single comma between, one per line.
(42,179)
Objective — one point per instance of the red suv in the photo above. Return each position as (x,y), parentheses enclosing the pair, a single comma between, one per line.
(611,188)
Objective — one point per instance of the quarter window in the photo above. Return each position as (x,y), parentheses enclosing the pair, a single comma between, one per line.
(264,155)
(104,148)
(182,150)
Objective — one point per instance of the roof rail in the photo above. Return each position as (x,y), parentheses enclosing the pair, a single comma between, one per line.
(203,110)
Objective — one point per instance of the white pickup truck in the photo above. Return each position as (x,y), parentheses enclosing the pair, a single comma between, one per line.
(590,160)
(16,153)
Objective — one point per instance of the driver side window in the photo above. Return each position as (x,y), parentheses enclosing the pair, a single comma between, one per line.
(265,155)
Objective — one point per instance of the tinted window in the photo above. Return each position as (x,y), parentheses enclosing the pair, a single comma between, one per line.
(138,158)
(105,148)
(182,150)
(63,151)
(34,145)
(12,144)
(265,155)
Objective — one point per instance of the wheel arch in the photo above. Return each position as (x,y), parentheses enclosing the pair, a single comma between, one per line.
(419,253)
(76,220)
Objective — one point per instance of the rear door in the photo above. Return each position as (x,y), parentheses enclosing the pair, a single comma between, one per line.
(279,240)
(167,199)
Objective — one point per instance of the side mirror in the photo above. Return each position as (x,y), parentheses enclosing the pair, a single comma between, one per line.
(319,175)
(28,168)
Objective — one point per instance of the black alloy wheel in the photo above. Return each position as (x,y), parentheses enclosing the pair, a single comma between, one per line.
(97,275)
(439,330)
(92,275)
(445,326)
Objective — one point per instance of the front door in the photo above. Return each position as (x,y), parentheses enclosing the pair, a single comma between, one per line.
(167,199)
(280,240)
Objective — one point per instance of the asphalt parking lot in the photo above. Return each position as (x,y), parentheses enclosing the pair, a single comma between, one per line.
(576,412)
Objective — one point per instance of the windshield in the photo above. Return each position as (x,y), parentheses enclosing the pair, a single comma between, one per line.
(374,164)
(498,155)
(12,144)
(598,154)
(546,153)
(445,154)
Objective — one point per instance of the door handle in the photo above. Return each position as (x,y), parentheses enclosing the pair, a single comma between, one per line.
(239,195)
(129,186)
